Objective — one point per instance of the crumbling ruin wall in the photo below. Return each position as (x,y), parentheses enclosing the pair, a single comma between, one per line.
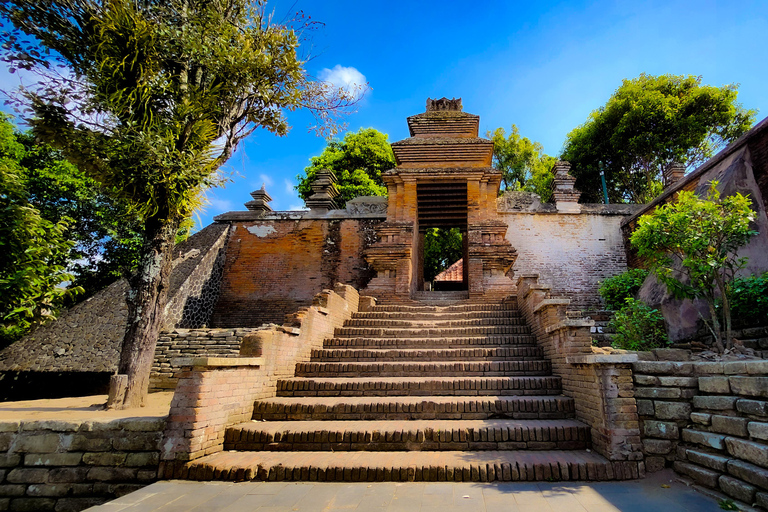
(276,266)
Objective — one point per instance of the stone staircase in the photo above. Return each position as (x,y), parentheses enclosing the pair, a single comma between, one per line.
(458,392)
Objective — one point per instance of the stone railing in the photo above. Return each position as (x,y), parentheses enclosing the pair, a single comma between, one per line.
(214,393)
(710,421)
(66,465)
(600,384)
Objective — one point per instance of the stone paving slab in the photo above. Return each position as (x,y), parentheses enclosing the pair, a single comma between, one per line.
(647,495)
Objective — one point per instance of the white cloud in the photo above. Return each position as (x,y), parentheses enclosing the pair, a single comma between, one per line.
(220,205)
(295,207)
(349,79)
(266,180)
(289,187)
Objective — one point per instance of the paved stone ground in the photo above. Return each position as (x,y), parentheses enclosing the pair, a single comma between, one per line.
(647,495)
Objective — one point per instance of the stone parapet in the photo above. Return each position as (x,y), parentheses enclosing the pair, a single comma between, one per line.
(600,386)
(214,394)
(708,420)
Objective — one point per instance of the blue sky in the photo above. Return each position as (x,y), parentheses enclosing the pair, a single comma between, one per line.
(543,66)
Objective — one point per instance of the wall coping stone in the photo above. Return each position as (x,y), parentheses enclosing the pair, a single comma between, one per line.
(568,323)
(214,362)
(551,302)
(601,359)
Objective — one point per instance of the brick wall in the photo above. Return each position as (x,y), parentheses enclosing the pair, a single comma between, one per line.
(190,343)
(709,420)
(571,252)
(214,393)
(274,267)
(70,466)
(601,385)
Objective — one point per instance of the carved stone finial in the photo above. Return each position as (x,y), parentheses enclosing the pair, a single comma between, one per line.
(673,173)
(453,104)
(563,190)
(260,200)
(324,188)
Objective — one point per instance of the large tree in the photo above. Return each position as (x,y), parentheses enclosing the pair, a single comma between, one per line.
(648,124)
(357,161)
(523,163)
(150,99)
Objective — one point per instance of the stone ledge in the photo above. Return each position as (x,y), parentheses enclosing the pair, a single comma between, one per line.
(213,362)
(565,324)
(602,359)
(551,302)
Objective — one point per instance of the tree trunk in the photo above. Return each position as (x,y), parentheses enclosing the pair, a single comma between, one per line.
(716,329)
(146,305)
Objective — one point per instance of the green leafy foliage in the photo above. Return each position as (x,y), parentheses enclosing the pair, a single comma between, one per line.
(442,248)
(153,99)
(617,289)
(691,246)
(749,300)
(523,164)
(638,327)
(649,123)
(34,251)
(357,161)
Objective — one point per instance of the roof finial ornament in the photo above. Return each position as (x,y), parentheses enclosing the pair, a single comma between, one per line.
(444,103)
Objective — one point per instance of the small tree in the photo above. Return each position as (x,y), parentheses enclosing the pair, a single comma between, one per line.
(523,163)
(691,246)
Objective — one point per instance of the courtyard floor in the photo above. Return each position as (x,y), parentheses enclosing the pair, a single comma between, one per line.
(659,492)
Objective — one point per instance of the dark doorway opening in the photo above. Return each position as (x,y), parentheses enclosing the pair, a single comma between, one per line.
(442,215)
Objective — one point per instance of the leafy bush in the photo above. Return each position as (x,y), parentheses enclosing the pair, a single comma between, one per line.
(618,289)
(749,300)
(638,327)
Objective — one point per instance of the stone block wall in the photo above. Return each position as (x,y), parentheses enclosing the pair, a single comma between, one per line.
(214,393)
(276,266)
(709,420)
(71,466)
(601,385)
(177,343)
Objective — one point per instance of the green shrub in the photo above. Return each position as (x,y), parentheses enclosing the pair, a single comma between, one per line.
(749,300)
(617,289)
(637,326)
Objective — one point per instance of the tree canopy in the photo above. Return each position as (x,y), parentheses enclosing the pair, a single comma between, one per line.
(523,163)
(648,124)
(150,99)
(357,160)
(691,245)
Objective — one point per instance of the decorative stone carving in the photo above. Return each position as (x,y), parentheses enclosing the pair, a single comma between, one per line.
(367,205)
(453,104)
(260,200)
(564,194)
(324,188)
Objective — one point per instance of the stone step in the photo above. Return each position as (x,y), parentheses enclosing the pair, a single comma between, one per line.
(446,354)
(418,386)
(414,435)
(433,343)
(457,308)
(428,332)
(413,407)
(483,466)
(436,315)
(437,368)
(432,324)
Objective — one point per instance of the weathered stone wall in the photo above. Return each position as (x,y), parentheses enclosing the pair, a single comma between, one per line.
(276,266)
(70,466)
(216,392)
(709,420)
(190,343)
(571,252)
